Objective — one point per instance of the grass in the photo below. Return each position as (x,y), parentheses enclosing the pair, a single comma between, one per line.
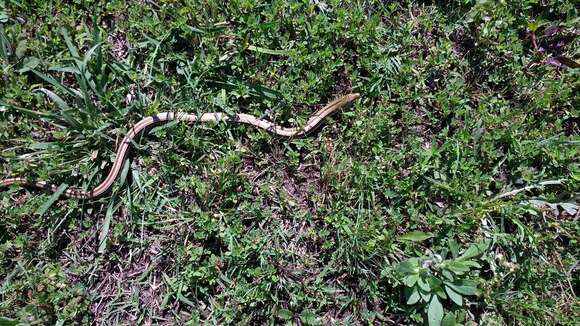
(448,194)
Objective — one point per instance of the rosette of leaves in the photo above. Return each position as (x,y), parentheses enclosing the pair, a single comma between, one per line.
(432,281)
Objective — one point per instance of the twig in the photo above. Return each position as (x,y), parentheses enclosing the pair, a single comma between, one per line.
(527,188)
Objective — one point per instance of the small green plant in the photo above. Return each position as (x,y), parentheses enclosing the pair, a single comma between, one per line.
(433,279)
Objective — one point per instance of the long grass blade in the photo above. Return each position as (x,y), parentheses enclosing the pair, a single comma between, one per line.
(59,191)
(105,228)
(54,83)
(69,43)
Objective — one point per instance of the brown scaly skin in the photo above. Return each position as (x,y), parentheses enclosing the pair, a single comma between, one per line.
(165,117)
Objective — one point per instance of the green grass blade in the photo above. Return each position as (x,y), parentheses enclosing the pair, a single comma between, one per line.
(4,106)
(5,48)
(56,99)
(105,229)
(69,43)
(54,197)
(53,82)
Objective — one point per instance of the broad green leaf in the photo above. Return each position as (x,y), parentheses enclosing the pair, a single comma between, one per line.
(441,293)
(285,314)
(449,320)
(475,250)
(457,267)
(416,236)
(454,296)
(425,296)
(411,280)
(410,266)
(435,312)
(413,296)
(459,316)
(42,209)
(464,287)
(454,247)
(448,275)
(28,64)
(424,285)
(434,282)
(471,263)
